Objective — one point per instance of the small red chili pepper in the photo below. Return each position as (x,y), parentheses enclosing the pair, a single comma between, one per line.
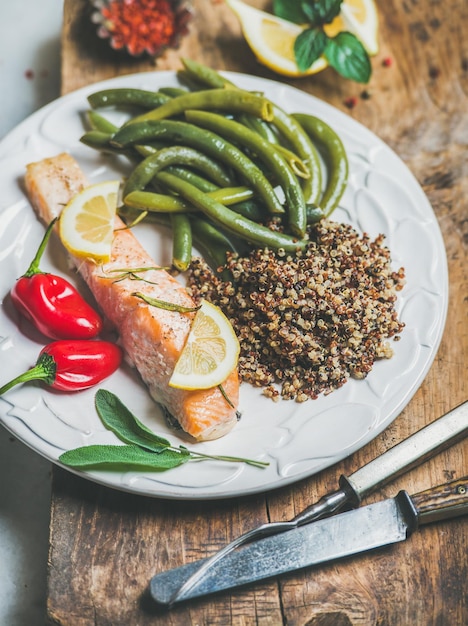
(52,303)
(72,365)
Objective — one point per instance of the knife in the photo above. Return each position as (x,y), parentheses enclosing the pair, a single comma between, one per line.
(350,533)
(425,443)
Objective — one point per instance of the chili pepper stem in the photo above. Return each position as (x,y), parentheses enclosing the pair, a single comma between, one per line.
(34,267)
(44,369)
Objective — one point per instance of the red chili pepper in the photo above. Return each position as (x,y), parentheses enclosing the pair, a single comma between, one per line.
(72,365)
(53,304)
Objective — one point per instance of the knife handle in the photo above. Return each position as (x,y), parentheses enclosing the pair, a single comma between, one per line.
(442,502)
(424,444)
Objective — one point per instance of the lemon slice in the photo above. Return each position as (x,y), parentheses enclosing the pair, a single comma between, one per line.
(360,18)
(272,38)
(86,224)
(210,353)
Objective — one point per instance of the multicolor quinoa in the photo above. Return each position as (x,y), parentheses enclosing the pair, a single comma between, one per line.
(308,323)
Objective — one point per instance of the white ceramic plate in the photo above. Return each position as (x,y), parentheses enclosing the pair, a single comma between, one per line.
(298,440)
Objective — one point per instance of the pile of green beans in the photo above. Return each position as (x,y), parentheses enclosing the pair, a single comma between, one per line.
(223,167)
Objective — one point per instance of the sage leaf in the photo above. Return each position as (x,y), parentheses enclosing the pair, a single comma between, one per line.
(144,449)
(123,458)
(346,54)
(120,420)
(309,46)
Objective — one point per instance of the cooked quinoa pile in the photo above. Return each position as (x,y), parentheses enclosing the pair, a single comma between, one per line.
(308,323)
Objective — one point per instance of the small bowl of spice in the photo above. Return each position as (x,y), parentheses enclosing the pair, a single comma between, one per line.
(141,27)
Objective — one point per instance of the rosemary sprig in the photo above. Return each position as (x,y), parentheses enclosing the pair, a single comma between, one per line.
(163,304)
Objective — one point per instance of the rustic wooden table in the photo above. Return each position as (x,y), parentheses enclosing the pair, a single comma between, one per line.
(105,545)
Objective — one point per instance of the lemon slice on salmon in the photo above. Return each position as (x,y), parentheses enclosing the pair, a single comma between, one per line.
(211,351)
(272,38)
(86,223)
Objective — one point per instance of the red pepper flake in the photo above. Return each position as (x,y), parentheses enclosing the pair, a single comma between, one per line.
(351,102)
(143,25)
(387,62)
(29,74)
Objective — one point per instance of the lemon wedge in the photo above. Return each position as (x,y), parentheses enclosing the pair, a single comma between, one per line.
(210,353)
(360,18)
(272,38)
(86,225)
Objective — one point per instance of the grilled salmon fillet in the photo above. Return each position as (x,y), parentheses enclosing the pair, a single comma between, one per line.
(152,338)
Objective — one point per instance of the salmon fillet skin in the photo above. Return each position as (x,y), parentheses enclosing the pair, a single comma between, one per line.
(151,337)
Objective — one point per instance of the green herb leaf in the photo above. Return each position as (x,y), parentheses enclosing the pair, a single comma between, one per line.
(123,458)
(347,56)
(323,12)
(290,10)
(116,417)
(309,46)
(146,450)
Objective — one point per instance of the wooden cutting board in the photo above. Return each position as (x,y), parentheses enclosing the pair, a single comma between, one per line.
(105,545)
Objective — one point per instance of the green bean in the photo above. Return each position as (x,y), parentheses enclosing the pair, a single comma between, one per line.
(292,131)
(162,203)
(218,99)
(213,245)
(98,122)
(206,75)
(191,177)
(172,92)
(259,126)
(155,202)
(146,170)
(98,140)
(248,207)
(229,220)
(314,214)
(127,97)
(234,131)
(284,123)
(295,163)
(265,130)
(334,154)
(206,141)
(181,241)
(232,195)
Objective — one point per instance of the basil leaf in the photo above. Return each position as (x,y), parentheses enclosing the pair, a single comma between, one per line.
(122,458)
(346,54)
(309,46)
(289,10)
(117,418)
(322,12)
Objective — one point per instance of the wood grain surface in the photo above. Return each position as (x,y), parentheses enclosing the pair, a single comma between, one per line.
(105,545)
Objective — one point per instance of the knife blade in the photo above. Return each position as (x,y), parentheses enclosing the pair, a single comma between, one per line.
(422,445)
(353,532)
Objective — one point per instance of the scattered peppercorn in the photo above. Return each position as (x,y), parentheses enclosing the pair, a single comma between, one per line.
(307,323)
(366,95)
(351,102)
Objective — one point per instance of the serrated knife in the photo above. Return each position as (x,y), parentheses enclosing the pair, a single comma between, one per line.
(425,443)
(343,535)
